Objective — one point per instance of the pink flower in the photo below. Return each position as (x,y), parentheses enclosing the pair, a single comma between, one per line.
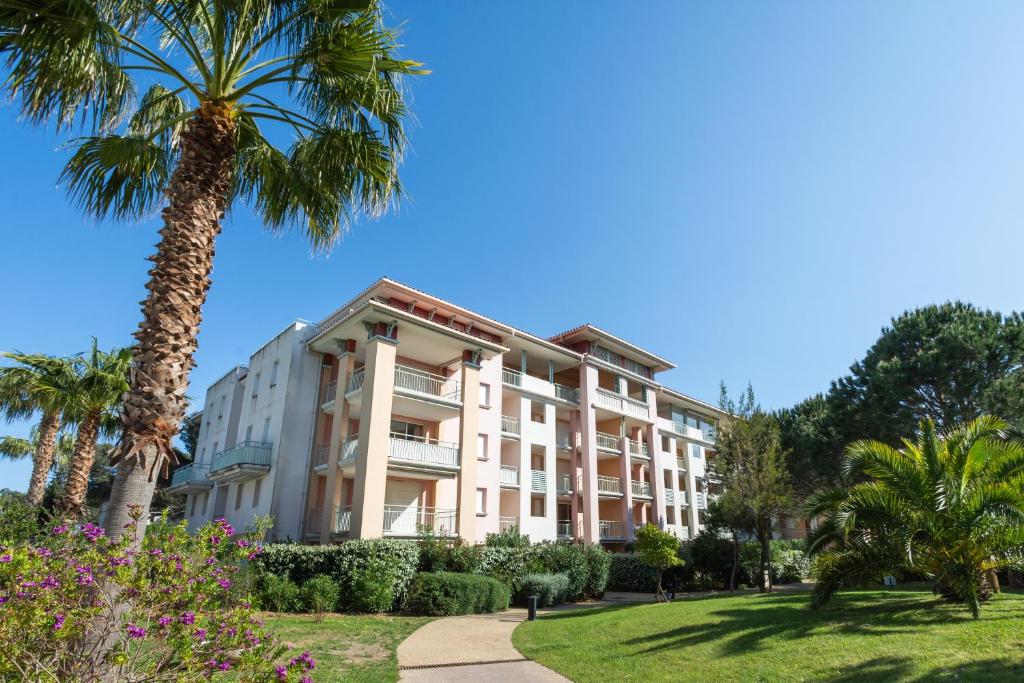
(5,558)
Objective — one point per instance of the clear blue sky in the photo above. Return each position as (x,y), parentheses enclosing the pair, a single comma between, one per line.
(750,189)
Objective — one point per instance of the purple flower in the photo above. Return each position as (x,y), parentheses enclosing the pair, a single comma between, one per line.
(188,618)
(164,621)
(224,666)
(5,558)
(58,530)
(224,583)
(211,560)
(92,532)
(2,600)
(58,622)
(242,543)
(85,580)
(305,679)
(282,673)
(44,552)
(136,631)
(199,634)
(156,551)
(49,582)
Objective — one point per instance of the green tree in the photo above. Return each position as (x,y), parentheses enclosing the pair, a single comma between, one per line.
(96,397)
(37,384)
(660,549)
(181,100)
(950,506)
(729,514)
(754,469)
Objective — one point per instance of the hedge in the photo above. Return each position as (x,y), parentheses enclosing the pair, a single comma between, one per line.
(628,572)
(446,593)
(550,589)
(369,572)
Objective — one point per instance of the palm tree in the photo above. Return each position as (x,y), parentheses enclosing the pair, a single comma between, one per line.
(102,381)
(949,506)
(323,72)
(37,384)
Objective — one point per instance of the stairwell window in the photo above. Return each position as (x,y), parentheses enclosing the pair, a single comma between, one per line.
(256,492)
(273,373)
(537,412)
(238,495)
(485,395)
(481,502)
(481,447)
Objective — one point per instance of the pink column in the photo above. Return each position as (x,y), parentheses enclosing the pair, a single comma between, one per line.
(588,452)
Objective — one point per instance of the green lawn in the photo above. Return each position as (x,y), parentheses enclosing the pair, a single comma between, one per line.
(903,635)
(346,647)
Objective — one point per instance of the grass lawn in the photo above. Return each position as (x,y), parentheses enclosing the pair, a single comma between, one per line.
(902,635)
(346,647)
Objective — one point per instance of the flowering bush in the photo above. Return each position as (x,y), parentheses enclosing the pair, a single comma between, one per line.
(75,605)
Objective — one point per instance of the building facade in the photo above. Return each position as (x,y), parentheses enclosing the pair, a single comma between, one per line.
(401,412)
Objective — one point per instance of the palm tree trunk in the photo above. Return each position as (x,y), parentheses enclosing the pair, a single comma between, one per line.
(42,460)
(179,279)
(72,503)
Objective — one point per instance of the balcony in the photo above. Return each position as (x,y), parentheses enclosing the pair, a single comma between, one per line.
(638,449)
(711,472)
(513,378)
(349,451)
(538,481)
(427,385)
(640,488)
(321,454)
(355,382)
(314,522)
(509,475)
(411,521)
(701,499)
(330,393)
(680,464)
(423,452)
(565,487)
(563,528)
(683,501)
(189,477)
(608,530)
(623,404)
(609,442)
(563,439)
(342,519)
(510,427)
(670,497)
(567,393)
(243,461)
(609,485)
(507,524)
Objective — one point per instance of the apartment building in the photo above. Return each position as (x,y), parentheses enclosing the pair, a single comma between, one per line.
(401,412)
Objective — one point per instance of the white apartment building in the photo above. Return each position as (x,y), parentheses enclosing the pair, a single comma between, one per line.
(401,412)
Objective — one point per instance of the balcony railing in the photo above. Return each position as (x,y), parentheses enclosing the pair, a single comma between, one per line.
(638,448)
(701,500)
(511,377)
(709,433)
(243,453)
(608,484)
(349,451)
(682,499)
(321,454)
(355,382)
(507,523)
(623,404)
(400,520)
(567,393)
(610,530)
(330,392)
(565,484)
(563,528)
(509,475)
(670,497)
(420,382)
(423,451)
(314,521)
(509,425)
(342,519)
(680,464)
(640,488)
(538,480)
(184,475)
(563,438)
(609,441)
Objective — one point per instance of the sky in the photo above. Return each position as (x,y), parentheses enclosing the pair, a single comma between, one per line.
(750,189)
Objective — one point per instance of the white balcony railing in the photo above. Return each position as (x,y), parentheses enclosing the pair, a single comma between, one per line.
(608,484)
(567,393)
(610,530)
(538,480)
(330,392)
(565,484)
(425,383)
(609,441)
(510,425)
(563,528)
(189,473)
(509,475)
(507,523)
(400,520)
(670,497)
(638,449)
(355,382)
(423,451)
(245,453)
(640,488)
(623,404)
(349,450)
(563,438)
(701,500)
(342,519)
(680,464)
(511,377)
(683,502)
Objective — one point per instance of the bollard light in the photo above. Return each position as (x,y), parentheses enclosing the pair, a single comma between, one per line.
(531,604)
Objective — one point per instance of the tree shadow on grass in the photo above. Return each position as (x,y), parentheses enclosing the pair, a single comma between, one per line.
(901,668)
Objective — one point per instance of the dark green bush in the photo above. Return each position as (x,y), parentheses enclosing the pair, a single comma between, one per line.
(712,558)
(447,594)
(789,560)
(443,555)
(372,587)
(569,560)
(320,594)
(628,572)
(598,561)
(510,538)
(509,564)
(277,594)
(550,589)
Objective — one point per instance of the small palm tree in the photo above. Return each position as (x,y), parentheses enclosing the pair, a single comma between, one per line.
(37,384)
(950,507)
(218,81)
(102,381)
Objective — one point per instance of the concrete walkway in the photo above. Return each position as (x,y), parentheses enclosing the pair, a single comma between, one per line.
(475,647)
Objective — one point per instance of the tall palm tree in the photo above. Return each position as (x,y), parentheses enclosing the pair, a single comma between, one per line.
(102,381)
(37,384)
(212,74)
(949,506)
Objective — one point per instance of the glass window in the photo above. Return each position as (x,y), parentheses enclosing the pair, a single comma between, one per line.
(481,446)
(536,506)
(695,451)
(485,395)
(537,412)
(238,495)
(266,430)
(481,501)
(691,420)
(273,373)
(406,430)
(256,491)
(256,385)
(206,497)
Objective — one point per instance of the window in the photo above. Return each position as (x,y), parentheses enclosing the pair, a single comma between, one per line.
(537,411)
(220,413)
(481,502)
(256,492)
(406,430)
(670,515)
(255,386)
(238,494)
(273,373)
(537,506)
(202,454)
(666,445)
(266,430)
(248,433)
(695,451)
(195,499)
(206,497)
(485,395)
(691,420)
(481,446)
(215,444)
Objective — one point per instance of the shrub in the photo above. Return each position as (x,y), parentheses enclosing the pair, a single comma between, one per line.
(598,561)
(509,564)
(320,594)
(509,538)
(371,587)
(166,608)
(550,589)
(442,555)
(628,572)
(447,594)
(712,557)
(278,594)
(789,560)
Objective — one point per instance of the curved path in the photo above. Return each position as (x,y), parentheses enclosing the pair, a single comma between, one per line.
(475,647)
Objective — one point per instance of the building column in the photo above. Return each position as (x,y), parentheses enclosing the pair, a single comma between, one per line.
(671,455)
(588,452)
(693,514)
(346,361)
(574,470)
(657,464)
(469,428)
(374,433)
(626,470)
